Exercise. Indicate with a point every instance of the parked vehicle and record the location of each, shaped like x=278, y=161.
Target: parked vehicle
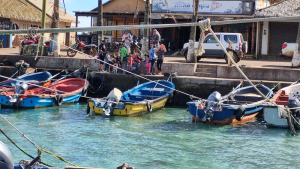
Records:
x=88, y=49
x=214, y=50
x=288, y=49
x=241, y=104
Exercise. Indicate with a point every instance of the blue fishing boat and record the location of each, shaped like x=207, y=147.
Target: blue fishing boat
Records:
x=64, y=91
x=242, y=104
x=38, y=78
x=142, y=98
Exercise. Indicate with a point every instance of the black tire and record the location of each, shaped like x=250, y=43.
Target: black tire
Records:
x=88, y=110
x=244, y=47
x=239, y=113
x=149, y=107
x=92, y=52
x=198, y=58
x=59, y=99
x=96, y=82
x=71, y=53
x=235, y=58
x=84, y=92
x=185, y=55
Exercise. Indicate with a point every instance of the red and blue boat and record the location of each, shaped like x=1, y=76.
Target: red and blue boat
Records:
x=242, y=104
x=58, y=93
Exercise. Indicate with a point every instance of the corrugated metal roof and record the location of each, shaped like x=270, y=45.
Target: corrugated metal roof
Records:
x=281, y=9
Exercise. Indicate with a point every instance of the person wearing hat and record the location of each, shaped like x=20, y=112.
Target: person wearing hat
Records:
x=156, y=38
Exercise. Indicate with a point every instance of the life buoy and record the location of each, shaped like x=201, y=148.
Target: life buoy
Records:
x=84, y=92
x=149, y=107
x=88, y=110
x=59, y=99
x=96, y=82
x=239, y=113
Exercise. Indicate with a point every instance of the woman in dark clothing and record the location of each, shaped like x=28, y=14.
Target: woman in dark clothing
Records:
x=160, y=57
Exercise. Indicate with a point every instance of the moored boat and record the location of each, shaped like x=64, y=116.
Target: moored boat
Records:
x=142, y=98
x=242, y=104
x=277, y=115
x=64, y=91
x=38, y=78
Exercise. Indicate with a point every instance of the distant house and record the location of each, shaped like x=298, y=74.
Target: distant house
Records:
x=23, y=14
x=274, y=34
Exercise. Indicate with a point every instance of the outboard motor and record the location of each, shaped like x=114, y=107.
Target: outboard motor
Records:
x=112, y=99
x=6, y=159
x=20, y=89
x=21, y=67
x=293, y=102
x=209, y=105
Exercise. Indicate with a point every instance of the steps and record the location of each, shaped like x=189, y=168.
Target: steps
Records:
x=206, y=70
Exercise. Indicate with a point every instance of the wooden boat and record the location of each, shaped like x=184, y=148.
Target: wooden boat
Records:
x=242, y=104
x=276, y=115
x=38, y=78
x=64, y=91
x=142, y=98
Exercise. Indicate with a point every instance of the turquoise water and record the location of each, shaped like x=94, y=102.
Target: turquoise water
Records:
x=164, y=139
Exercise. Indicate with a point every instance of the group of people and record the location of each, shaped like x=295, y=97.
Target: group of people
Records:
x=127, y=61
x=122, y=59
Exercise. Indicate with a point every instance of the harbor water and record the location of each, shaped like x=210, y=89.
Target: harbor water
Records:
x=163, y=139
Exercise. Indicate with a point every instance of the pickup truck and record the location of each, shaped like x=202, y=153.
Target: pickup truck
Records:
x=288, y=49
x=214, y=50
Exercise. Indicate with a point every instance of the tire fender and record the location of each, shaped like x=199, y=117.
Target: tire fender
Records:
x=149, y=106
x=88, y=110
x=84, y=92
x=239, y=113
x=59, y=99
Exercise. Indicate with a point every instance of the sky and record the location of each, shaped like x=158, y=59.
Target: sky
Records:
x=81, y=5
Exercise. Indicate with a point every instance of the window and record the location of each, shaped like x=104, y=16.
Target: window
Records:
x=106, y=22
x=211, y=39
x=230, y=38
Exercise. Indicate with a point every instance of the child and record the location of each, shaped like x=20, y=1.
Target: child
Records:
x=130, y=61
x=106, y=66
x=111, y=60
x=160, y=57
x=147, y=63
x=136, y=63
x=152, y=57
x=118, y=60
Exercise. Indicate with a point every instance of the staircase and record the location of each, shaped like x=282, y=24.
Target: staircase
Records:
x=206, y=70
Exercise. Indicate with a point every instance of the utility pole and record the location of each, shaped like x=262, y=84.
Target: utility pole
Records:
x=43, y=25
x=100, y=21
x=145, y=42
x=191, y=56
x=55, y=24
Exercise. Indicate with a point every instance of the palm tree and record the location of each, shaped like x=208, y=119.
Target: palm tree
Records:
x=296, y=56
x=191, y=56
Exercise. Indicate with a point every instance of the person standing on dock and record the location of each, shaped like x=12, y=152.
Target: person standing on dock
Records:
x=124, y=56
x=156, y=38
x=160, y=57
x=152, y=55
x=102, y=54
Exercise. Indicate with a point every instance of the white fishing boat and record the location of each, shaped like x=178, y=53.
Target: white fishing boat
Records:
x=277, y=115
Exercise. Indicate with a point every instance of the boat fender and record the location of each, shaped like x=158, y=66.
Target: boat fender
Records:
x=171, y=97
x=239, y=113
x=149, y=106
x=59, y=99
x=6, y=159
x=88, y=110
x=84, y=92
x=96, y=82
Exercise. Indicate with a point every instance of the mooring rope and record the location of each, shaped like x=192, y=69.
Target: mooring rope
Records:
x=39, y=149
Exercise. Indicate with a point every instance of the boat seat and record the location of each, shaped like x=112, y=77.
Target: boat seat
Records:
x=248, y=98
x=281, y=102
x=283, y=98
x=144, y=96
x=154, y=89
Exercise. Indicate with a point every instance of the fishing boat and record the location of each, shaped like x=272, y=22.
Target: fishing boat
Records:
x=38, y=78
x=142, y=98
x=58, y=93
x=276, y=115
x=242, y=104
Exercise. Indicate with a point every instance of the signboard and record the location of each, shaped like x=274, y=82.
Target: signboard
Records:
x=205, y=7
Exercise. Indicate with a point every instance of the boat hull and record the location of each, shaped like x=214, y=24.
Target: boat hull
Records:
x=226, y=121
x=224, y=116
x=129, y=109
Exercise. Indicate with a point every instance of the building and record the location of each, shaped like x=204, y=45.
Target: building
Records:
x=274, y=34
x=23, y=14
x=115, y=12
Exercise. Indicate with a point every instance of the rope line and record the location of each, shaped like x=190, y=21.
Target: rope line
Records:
x=39, y=149
x=126, y=27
